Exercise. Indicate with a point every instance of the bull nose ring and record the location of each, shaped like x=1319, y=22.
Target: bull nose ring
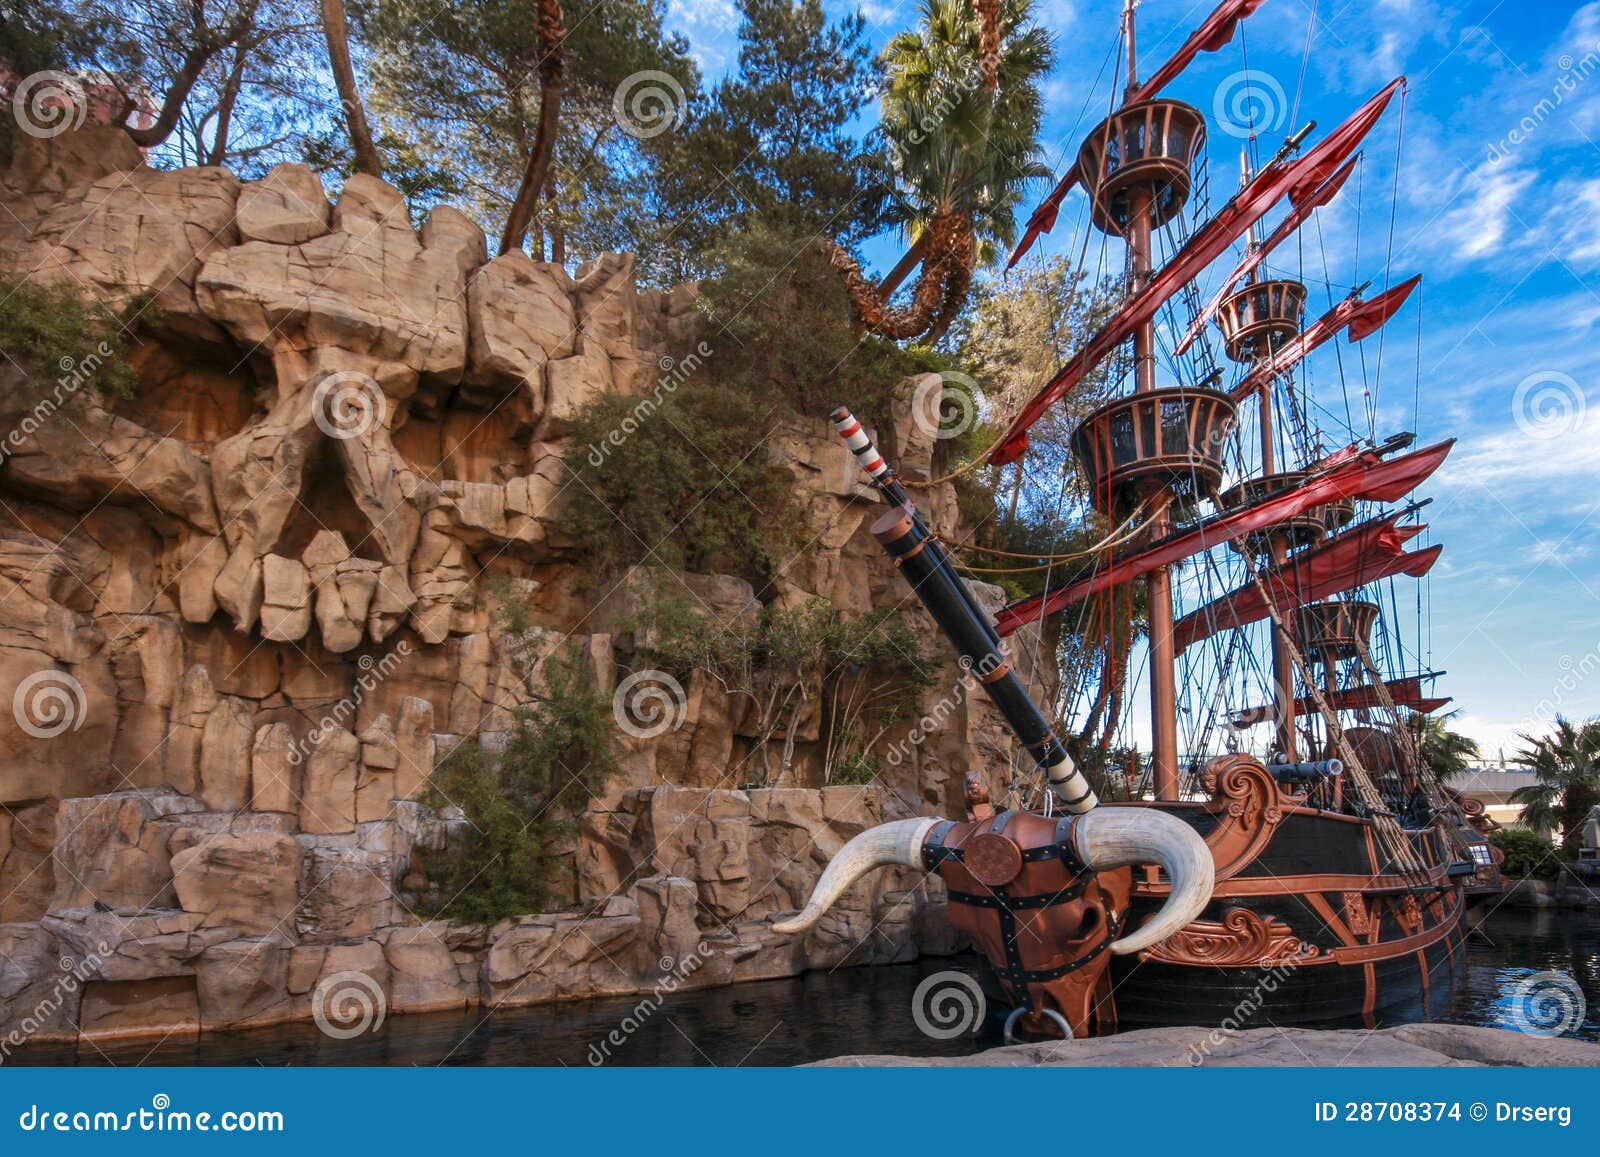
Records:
x=992, y=859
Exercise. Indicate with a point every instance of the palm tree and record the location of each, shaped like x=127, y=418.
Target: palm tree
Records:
x=962, y=152
x=1566, y=764
x=1447, y=753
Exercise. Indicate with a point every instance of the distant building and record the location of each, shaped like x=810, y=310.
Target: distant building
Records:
x=1492, y=784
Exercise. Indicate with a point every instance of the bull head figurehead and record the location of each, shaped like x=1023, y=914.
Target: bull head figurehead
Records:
x=1043, y=898
x=1098, y=841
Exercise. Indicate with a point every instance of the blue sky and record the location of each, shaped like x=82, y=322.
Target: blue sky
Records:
x=1499, y=208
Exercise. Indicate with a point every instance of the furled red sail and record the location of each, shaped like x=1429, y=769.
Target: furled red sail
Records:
x=1245, y=209
x=1362, y=474
x=1252, y=260
x=1373, y=551
x=1363, y=317
x=1212, y=35
x=1209, y=37
x=1405, y=692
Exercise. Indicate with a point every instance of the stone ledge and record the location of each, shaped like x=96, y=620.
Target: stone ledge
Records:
x=1411, y=1045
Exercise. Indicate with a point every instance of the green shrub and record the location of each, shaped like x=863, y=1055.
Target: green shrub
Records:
x=782, y=329
x=521, y=803
x=681, y=478
x=64, y=341
x=1527, y=853
x=862, y=675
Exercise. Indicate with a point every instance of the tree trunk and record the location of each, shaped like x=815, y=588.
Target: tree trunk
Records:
x=552, y=34
x=988, y=43
x=558, y=235
x=914, y=255
x=230, y=97
x=344, y=79
x=172, y=107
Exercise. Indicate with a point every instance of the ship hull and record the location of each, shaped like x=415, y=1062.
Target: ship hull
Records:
x=1311, y=919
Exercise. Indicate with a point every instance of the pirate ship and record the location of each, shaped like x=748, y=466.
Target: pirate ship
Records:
x=1335, y=862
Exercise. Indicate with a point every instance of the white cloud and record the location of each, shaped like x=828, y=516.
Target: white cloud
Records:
x=1483, y=211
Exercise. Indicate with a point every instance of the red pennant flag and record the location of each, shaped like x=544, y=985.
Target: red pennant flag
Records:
x=1215, y=33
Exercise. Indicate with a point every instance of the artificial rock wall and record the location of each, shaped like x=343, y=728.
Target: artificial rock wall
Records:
x=242, y=617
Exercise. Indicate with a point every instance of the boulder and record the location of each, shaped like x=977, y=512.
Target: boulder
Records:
x=328, y=799
x=245, y=882
x=285, y=207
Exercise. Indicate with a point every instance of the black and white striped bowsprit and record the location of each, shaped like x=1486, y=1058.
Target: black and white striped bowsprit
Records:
x=934, y=580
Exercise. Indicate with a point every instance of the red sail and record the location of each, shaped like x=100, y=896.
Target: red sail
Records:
x=1405, y=692
x=1209, y=37
x=1247, y=207
x=1366, y=554
x=1362, y=475
x=1363, y=317
x=1296, y=218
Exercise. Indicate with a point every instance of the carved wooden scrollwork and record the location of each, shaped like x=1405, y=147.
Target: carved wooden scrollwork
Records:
x=1250, y=803
x=1355, y=913
x=1239, y=938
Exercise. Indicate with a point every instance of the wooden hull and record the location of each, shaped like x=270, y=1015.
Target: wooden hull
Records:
x=1309, y=921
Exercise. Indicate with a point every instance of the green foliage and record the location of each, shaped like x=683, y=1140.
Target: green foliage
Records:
x=953, y=146
x=783, y=329
x=521, y=803
x=683, y=478
x=1527, y=853
x=456, y=94
x=64, y=340
x=772, y=142
x=1566, y=764
x=862, y=675
x=1447, y=753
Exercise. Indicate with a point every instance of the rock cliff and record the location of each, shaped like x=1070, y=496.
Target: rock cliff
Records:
x=244, y=613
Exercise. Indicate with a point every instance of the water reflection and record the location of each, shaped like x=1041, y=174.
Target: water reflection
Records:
x=785, y=1022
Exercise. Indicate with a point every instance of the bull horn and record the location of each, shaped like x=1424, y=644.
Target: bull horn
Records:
x=898, y=842
x=1114, y=837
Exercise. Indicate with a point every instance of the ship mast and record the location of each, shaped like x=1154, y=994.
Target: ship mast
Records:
x=1158, y=590
x=1283, y=698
